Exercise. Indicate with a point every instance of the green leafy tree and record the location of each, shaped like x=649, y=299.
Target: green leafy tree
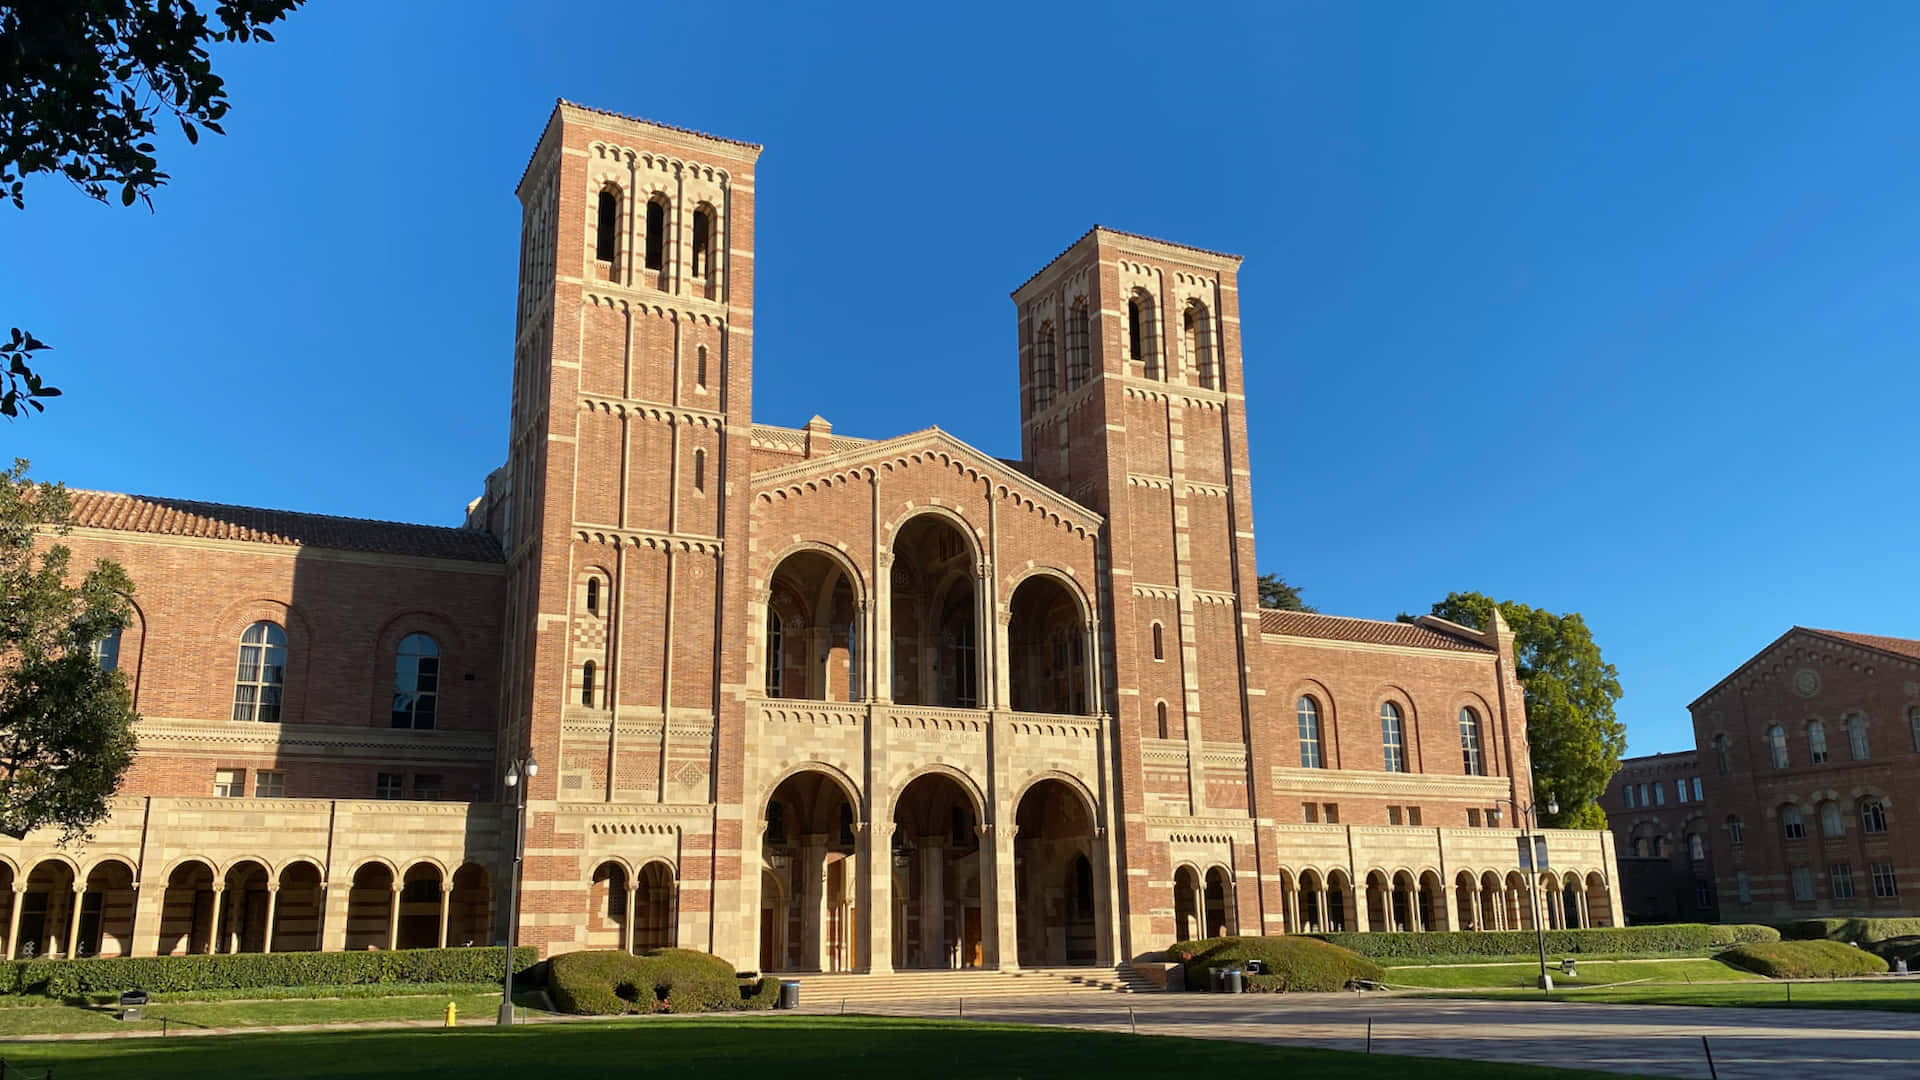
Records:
x=66, y=725
x=1570, y=690
x=84, y=85
x=1276, y=593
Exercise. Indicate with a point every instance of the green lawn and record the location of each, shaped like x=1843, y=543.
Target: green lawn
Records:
x=1553, y=958
x=1900, y=996
x=1592, y=973
x=789, y=1047
x=43, y=1016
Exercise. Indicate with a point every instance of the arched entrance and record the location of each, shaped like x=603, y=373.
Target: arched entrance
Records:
x=1433, y=903
x=470, y=907
x=607, y=897
x=1056, y=901
x=106, y=911
x=653, y=907
x=1379, y=901
x=1047, y=649
x=1466, y=906
x=1339, y=901
x=1519, y=902
x=187, y=910
x=46, y=908
x=297, y=909
x=1599, y=901
x=1186, y=904
x=935, y=615
x=370, y=908
x=1493, y=902
x=809, y=847
x=420, y=900
x=813, y=630
x=243, y=908
x=1220, y=903
x=936, y=854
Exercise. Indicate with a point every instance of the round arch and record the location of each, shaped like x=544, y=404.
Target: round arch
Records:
x=354, y=868
x=238, y=861
x=1087, y=800
x=1061, y=576
x=890, y=533
x=855, y=579
x=99, y=861
x=848, y=787
x=941, y=768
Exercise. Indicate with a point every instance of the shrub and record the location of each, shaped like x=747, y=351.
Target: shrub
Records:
x=764, y=994
x=611, y=983
x=1677, y=938
x=1899, y=948
x=1861, y=930
x=1293, y=963
x=245, y=971
x=1805, y=960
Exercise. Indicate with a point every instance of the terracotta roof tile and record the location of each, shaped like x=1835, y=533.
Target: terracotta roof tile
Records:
x=1369, y=631
x=1906, y=647
x=214, y=521
x=1119, y=232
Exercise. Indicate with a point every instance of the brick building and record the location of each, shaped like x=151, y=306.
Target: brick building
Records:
x=1807, y=751
x=818, y=701
x=1656, y=809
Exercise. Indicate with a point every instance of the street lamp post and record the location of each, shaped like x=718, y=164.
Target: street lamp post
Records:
x=514, y=768
x=1526, y=815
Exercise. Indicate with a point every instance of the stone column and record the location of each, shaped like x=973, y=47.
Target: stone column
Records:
x=1002, y=926
x=147, y=900
x=629, y=938
x=1106, y=932
x=1200, y=910
x=1320, y=907
x=446, y=896
x=874, y=853
x=215, y=931
x=273, y=906
x=1450, y=906
x=1585, y=917
x=73, y=918
x=812, y=878
x=393, y=918
x=933, y=902
x=1357, y=891
x=333, y=926
x=13, y=920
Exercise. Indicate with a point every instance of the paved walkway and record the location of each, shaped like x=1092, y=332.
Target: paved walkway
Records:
x=1648, y=1040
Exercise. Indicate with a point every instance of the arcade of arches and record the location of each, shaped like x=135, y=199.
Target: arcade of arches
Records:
x=1402, y=900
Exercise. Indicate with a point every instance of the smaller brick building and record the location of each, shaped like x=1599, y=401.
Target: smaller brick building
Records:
x=1809, y=751
x=1657, y=811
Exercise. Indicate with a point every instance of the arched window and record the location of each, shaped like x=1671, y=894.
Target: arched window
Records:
x=1857, y=737
x=1777, y=745
x=1735, y=834
x=1043, y=374
x=1308, y=714
x=699, y=470
x=586, y=683
x=776, y=658
x=1832, y=822
x=1393, y=737
x=700, y=367
x=1791, y=824
x=1696, y=847
x=1816, y=742
x=656, y=232
x=1873, y=816
x=416, y=682
x=106, y=651
x=1475, y=761
x=1723, y=753
x=1079, y=357
x=1140, y=334
x=606, y=243
x=1659, y=847
x=702, y=242
x=1197, y=329
x=1161, y=710
x=593, y=596
x=1159, y=643
x=262, y=674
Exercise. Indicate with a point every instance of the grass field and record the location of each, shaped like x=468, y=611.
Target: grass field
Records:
x=1902, y=996
x=789, y=1047
x=1553, y=958
x=44, y=1016
x=1592, y=973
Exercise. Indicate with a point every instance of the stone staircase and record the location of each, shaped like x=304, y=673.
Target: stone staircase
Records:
x=818, y=989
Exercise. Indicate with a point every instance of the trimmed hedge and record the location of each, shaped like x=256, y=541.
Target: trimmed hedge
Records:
x=613, y=983
x=1294, y=963
x=1861, y=930
x=1805, y=960
x=246, y=971
x=1675, y=938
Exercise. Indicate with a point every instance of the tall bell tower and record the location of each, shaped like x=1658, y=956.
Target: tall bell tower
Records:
x=632, y=392
x=1132, y=402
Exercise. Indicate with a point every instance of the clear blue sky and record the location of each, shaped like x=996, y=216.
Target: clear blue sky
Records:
x=1604, y=308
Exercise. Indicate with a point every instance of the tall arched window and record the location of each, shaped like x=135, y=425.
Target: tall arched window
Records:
x=776, y=654
x=1475, y=761
x=702, y=242
x=1723, y=753
x=1142, y=347
x=700, y=367
x=1816, y=742
x=1777, y=745
x=1043, y=372
x=1308, y=714
x=1196, y=328
x=1079, y=357
x=1159, y=643
x=106, y=651
x=1393, y=737
x=699, y=470
x=606, y=243
x=416, y=682
x=1857, y=737
x=586, y=683
x=1832, y=822
x=593, y=596
x=262, y=674
x=1792, y=825
x=656, y=232
x=1696, y=847
x=1160, y=710
x=1873, y=816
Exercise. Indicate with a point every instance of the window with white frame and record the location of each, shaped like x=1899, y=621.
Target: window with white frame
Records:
x=1393, y=737
x=1696, y=847
x=1777, y=746
x=1627, y=791
x=1816, y=742
x=1873, y=816
x=1645, y=799
x=1723, y=752
x=1698, y=795
x=1832, y=822
x=1680, y=790
x=1840, y=880
x=416, y=682
x=1307, y=713
x=1659, y=794
x=1470, y=752
x=389, y=785
x=1884, y=886
x=1857, y=737
x=262, y=673
x=106, y=651
x=229, y=783
x=1802, y=884
x=269, y=784
x=1792, y=826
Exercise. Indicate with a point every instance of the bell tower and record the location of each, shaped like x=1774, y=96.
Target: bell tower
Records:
x=632, y=392
x=1132, y=402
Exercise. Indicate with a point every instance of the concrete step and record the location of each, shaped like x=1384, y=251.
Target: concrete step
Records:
x=818, y=988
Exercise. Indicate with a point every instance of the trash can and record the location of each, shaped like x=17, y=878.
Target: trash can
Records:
x=1217, y=980
x=1236, y=980
x=133, y=1004
x=790, y=993
x=1899, y=967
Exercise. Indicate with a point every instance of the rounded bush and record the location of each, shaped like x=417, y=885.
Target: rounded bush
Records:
x=1293, y=963
x=1862, y=930
x=1676, y=938
x=1805, y=960
x=611, y=983
x=1743, y=934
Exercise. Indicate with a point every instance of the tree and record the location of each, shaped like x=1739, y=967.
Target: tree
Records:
x=83, y=85
x=66, y=722
x=1570, y=690
x=1276, y=593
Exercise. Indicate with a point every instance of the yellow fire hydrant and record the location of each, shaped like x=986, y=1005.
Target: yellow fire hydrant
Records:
x=453, y=1013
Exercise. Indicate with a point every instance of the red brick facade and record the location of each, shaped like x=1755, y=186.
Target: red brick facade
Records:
x=828, y=702
x=1656, y=809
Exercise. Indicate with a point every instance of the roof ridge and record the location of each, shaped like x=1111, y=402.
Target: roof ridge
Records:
x=655, y=123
